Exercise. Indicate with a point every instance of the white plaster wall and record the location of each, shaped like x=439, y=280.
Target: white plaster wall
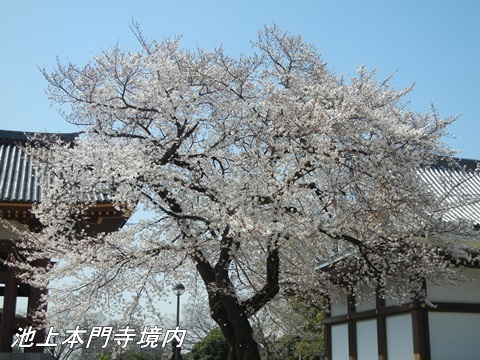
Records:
x=454, y=336
x=465, y=290
x=393, y=288
x=340, y=342
x=338, y=305
x=400, y=337
x=365, y=300
x=367, y=345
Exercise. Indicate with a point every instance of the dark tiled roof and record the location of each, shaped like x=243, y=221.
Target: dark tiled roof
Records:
x=18, y=183
x=21, y=137
x=457, y=183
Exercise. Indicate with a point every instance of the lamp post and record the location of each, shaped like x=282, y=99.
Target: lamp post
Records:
x=178, y=290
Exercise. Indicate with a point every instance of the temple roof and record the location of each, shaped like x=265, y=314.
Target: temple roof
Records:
x=19, y=186
x=456, y=182
x=16, y=137
x=18, y=180
x=18, y=183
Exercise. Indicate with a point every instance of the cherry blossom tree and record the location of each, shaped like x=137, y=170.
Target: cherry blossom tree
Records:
x=254, y=171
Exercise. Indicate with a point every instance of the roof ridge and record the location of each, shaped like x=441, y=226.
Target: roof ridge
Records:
x=453, y=162
x=13, y=136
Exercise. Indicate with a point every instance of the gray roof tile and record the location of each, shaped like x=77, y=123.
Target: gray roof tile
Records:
x=18, y=183
x=456, y=182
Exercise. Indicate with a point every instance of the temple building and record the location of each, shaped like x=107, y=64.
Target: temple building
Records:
x=19, y=191
x=379, y=328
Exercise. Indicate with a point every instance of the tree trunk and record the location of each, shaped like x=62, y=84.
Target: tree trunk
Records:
x=233, y=321
x=227, y=310
x=243, y=346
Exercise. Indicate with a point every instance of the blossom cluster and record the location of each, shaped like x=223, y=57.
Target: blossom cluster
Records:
x=236, y=165
x=149, y=337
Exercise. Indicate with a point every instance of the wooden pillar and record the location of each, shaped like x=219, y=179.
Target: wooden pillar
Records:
x=35, y=303
x=381, y=329
x=352, y=329
x=9, y=309
x=327, y=335
x=420, y=331
x=421, y=336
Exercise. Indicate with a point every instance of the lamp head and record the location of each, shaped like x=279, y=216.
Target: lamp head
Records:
x=178, y=289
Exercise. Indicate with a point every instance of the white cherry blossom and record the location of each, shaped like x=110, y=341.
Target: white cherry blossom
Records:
x=255, y=170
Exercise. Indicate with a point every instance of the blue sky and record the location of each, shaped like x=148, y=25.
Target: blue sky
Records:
x=432, y=43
